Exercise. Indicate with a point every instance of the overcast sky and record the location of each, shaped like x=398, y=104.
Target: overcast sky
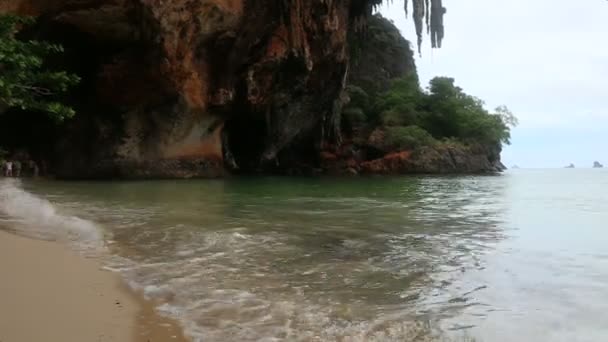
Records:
x=547, y=60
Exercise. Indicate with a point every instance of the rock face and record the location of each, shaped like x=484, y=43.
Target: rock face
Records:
x=379, y=54
x=352, y=159
x=181, y=88
x=188, y=88
x=384, y=55
x=436, y=160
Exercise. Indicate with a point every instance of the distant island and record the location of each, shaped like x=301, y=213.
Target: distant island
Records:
x=571, y=166
x=597, y=165
x=515, y=167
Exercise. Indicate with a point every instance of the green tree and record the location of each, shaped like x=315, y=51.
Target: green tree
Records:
x=451, y=112
x=408, y=137
x=444, y=111
x=399, y=106
x=454, y=114
x=355, y=112
x=24, y=81
x=506, y=116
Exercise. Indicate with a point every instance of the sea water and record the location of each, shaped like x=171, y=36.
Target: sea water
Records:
x=521, y=256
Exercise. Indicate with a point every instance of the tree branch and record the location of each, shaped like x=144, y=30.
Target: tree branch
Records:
x=37, y=90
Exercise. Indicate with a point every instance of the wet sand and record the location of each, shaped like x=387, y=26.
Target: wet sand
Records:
x=49, y=293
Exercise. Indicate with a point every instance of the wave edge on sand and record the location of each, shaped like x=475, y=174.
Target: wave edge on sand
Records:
x=50, y=284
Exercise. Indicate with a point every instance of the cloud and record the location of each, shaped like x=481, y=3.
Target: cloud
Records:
x=545, y=59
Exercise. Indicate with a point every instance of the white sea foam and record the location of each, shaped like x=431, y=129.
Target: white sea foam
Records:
x=230, y=285
x=28, y=214
x=235, y=284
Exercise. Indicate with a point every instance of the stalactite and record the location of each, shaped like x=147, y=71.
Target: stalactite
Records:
x=437, y=28
x=424, y=12
x=431, y=12
x=428, y=17
x=418, y=16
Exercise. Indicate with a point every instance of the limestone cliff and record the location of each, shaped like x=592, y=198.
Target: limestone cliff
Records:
x=182, y=88
x=379, y=55
x=198, y=88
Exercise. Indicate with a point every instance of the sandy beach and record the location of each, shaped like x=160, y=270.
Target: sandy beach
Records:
x=49, y=293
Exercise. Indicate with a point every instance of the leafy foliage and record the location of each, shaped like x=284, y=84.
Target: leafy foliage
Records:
x=452, y=113
x=355, y=116
x=507, y=116
x=24, y=81
x=358, y=98
x=355, y=112
x=413, y=117
x=408, y=137
x=399, y=106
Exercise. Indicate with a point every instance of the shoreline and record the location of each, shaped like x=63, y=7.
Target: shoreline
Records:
x=50, y=293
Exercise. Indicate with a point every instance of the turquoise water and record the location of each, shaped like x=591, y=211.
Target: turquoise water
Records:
x=517, y=257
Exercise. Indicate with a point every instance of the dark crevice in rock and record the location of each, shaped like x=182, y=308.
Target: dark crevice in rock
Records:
x=189, y=88
x=245, y=143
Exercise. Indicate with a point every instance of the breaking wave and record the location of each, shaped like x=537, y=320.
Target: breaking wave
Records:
x=27, y=214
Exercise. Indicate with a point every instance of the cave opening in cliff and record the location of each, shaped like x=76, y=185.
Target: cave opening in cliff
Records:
x=244, y=140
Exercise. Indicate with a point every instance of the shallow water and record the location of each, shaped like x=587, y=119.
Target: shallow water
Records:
x=516, y=257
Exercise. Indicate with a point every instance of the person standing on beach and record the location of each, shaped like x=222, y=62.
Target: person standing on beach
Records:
x=8, y=169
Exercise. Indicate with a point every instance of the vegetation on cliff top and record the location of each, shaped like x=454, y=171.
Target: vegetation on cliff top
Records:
x=25, y=83
x=445, y=111
x=385, y=94
x=442, y=111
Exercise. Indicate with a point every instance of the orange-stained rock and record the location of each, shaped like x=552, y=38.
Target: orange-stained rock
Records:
x=278, y=46
x=128, y=81
x=392, y=163
x=168, y=80
x=328, y=156
x=403, y=156
x=30, y=7
x=352, y=163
